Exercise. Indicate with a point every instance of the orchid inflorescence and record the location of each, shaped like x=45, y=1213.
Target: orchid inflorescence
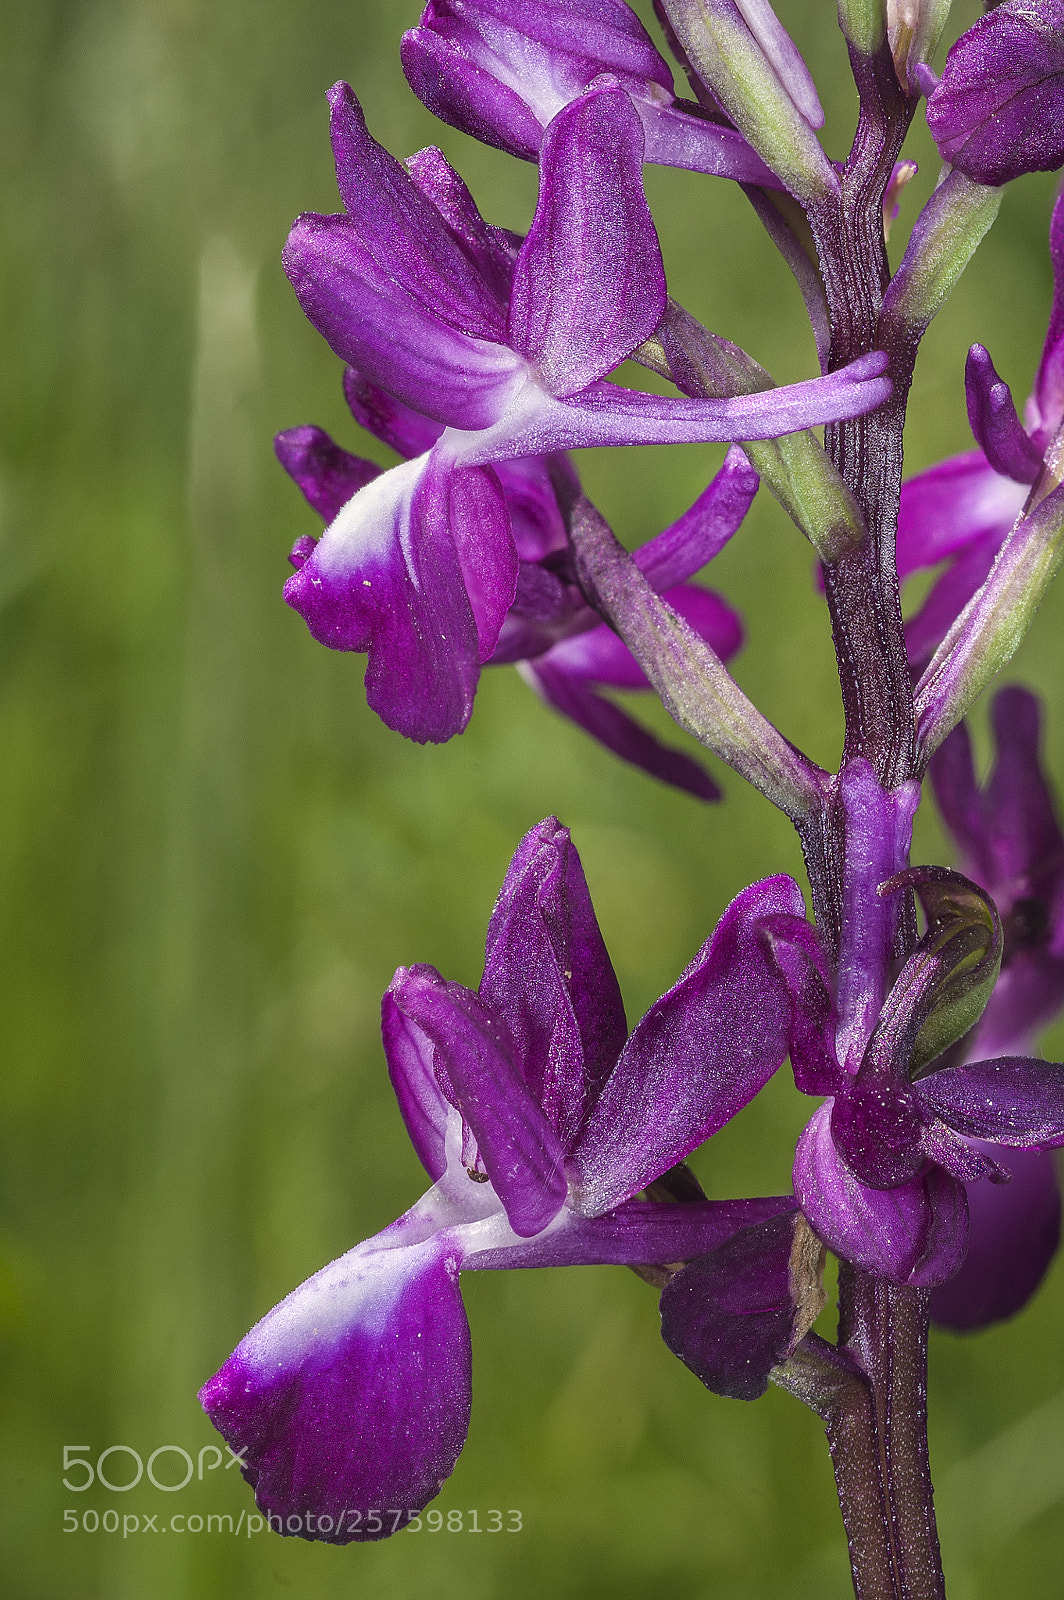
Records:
x=551, y=1135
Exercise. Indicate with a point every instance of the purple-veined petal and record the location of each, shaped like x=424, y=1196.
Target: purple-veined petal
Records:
x=548, y=974
x=1047, y=402
x=637, y=1233
x=459, y=90
x=425, y=1108
x=962, y=1158
x=1014, y=1234
x=879, y=826
x=999, y=108
x=1030, y=991
x=692, y=541
x=480, y=527
x=374, y=323
x=799, y=956
x=398, y=425
x=352, y=1395
x=730, y=1315
x=915, y=1233
x=696, y=1058
x=615, y=729
x=327, y=475
x=1011, y=1101
x=387, y=577
x=953, y=505
x=473, y=1057
x=589, y=285
x=492, y=250
x=994, y=422
x=405, y=234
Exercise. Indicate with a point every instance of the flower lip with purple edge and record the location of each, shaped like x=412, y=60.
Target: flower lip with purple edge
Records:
x=508, y=348
x=562, y=648
x=962, y=509
x=540, y=1122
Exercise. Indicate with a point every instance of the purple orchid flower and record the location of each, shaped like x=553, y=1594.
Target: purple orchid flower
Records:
x=881, y=1169
x=502, y=72
x=506, y=347
x=559, y=644
x=539, y=1122
x=962, y=509
x=1011, y=844
x=999, y=108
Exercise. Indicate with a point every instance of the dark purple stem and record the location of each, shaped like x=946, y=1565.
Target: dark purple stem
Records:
x=876, y=1421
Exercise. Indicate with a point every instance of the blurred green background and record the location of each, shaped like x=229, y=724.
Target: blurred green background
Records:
x=212, y=857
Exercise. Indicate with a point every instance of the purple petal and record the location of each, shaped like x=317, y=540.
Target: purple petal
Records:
x=547, y=973
x=448, y=78
x=952, y=506
x=480, y=527
x=948, y=597
x=999, y=108
x=601, y=657
x=401, y=229
x=1012, y=1101
x=376, y=324
x=729, y=1315
x=352, y=1395
x=388, y=577
x=878, y=1133
x=676, y=137
x=1047, y=402
x=957, y=795
x=879, y=825
x=589, y=285
x=616, y=730
x=327, y=475
x=994, y=422
x=701, y=533
x=1030, y=991
x=411, y=1066
x=502, y=75
x=637, y=1233
x=537, y=522
x=799, y=955
x=913, y=1234
x=697, y=1057
x=492, y=249
x=380, y=413
x=1023, y=831
x=476, y=1063
x=1015, y=1231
